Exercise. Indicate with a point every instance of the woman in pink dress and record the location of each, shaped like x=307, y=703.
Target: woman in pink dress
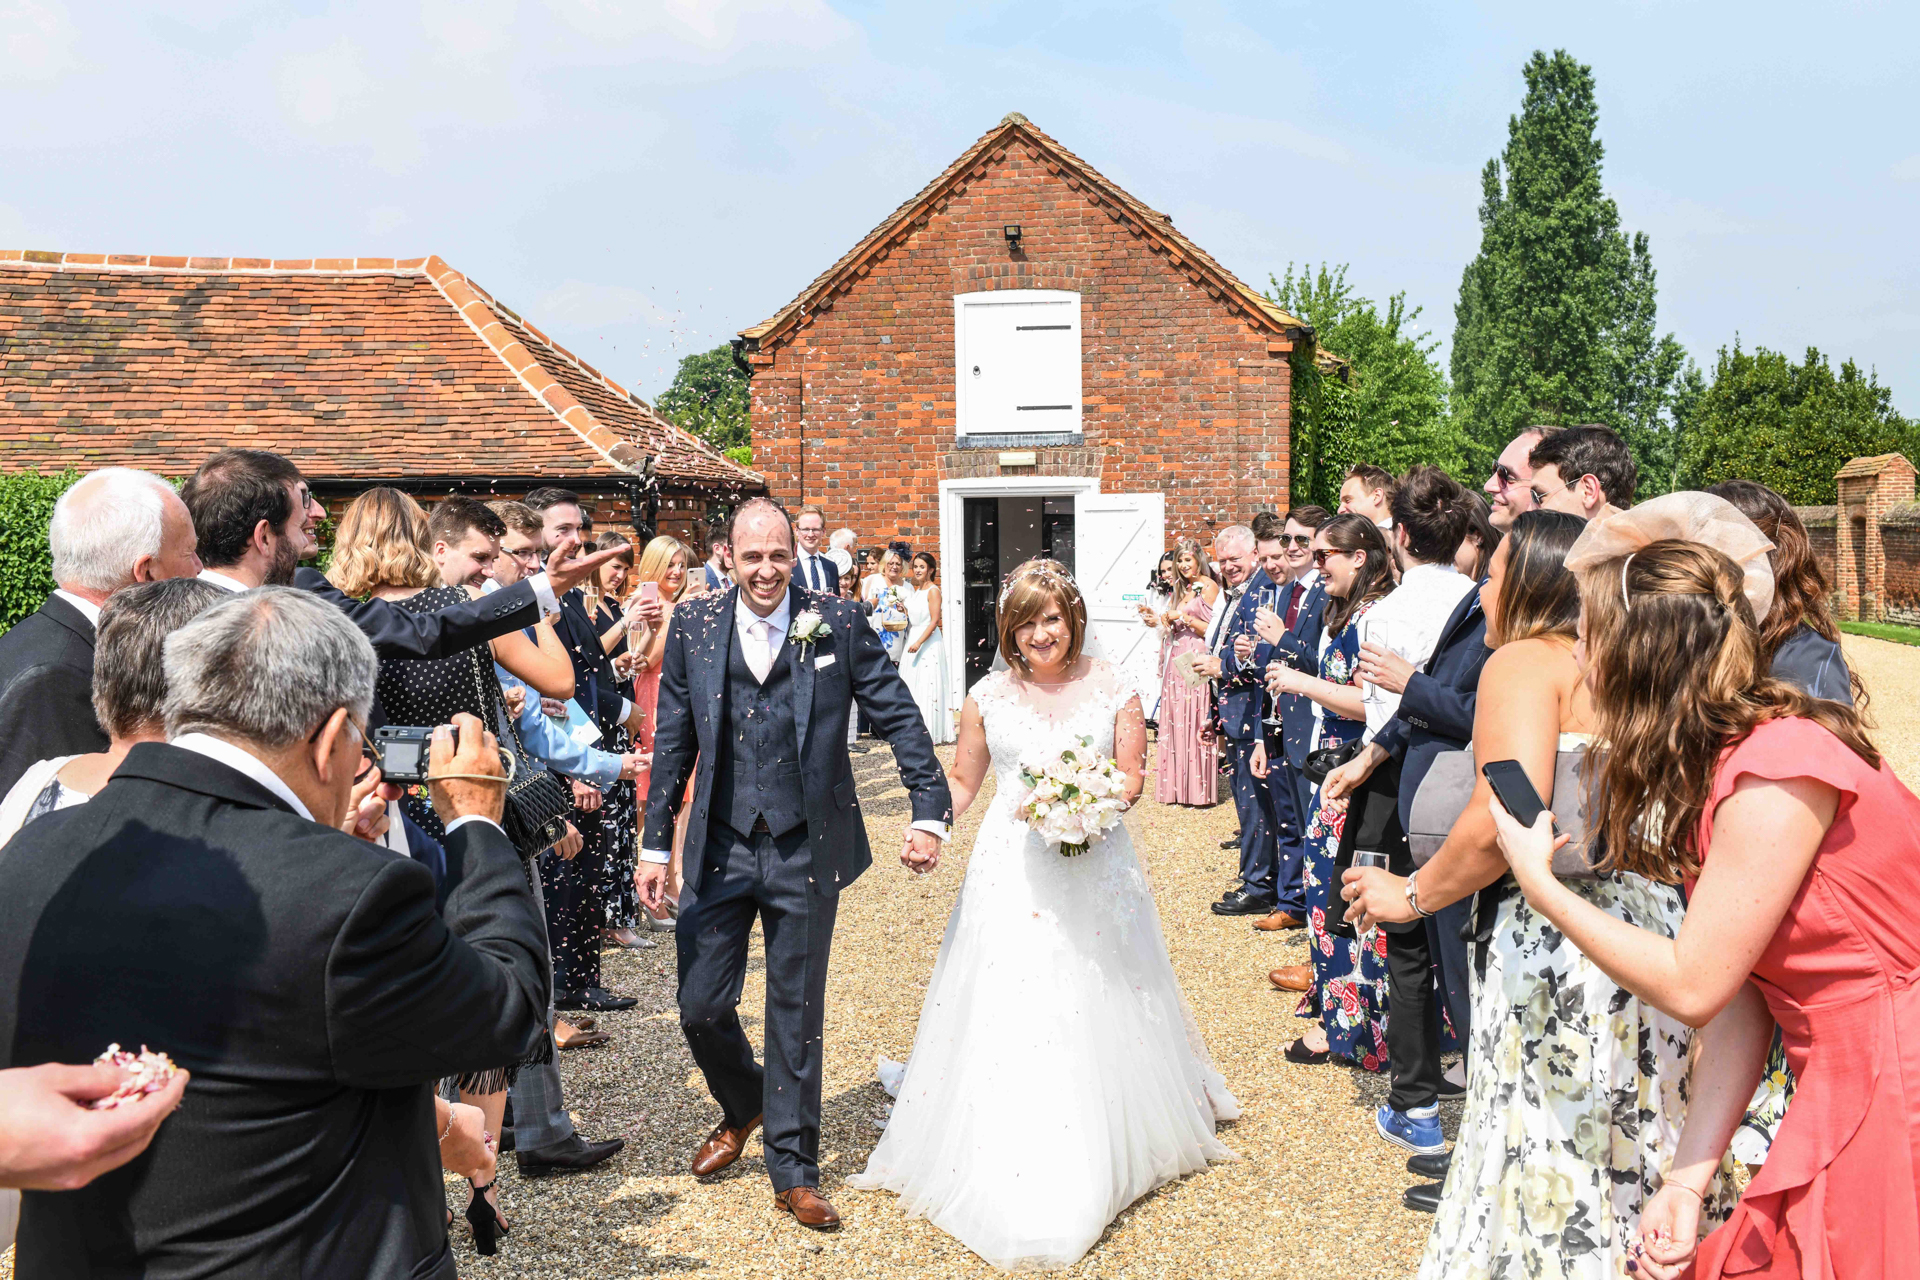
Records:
x=664, y=564
x=1801, y=851
x=1189, y=769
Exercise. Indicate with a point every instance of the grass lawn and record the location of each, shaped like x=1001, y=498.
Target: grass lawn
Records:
x=1883, y=631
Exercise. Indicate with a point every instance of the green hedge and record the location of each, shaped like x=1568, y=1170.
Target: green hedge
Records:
x=26, y=566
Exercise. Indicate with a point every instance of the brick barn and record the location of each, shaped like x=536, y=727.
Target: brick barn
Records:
x=363, y=371
x=1025, y=358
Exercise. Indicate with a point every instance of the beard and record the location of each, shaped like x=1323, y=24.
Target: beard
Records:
x=285, y=560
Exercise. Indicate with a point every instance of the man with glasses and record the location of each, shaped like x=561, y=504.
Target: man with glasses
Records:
x=1508, y=494
x=1584, y=471
x=307, y=980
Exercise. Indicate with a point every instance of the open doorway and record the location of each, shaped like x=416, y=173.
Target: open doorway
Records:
x=1003, y=532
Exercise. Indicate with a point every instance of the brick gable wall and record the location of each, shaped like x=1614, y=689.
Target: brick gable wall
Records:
x=856, y=411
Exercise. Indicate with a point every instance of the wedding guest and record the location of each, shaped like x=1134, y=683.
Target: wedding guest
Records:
x=50, y=1140
x=115, y=526
x=1585, y=471
x=1476, y=548
x=840, y=549
x=1289, y=820
x=718, y=569
x=1158, y=597
x=1368, y=491
x=924, y=664
x=665, y=564
x=1558, y=1047
x=1798, y=846
x=619, y=804
x=1235, y=663
x=129, y=694
x=886, y=592
x=1508, y=489
x=1188, y=770
x=1346, y=994
x=1799, y=642
x=815, y=568
x=316, y=1015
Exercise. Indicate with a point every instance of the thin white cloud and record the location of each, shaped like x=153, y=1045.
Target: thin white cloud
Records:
x=37, y=40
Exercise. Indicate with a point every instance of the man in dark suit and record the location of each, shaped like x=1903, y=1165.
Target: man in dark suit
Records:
x=757, y=684
x=207, y=904
x=255, y=517
x=1242, y=658
x=115, y=527
x=814, y=569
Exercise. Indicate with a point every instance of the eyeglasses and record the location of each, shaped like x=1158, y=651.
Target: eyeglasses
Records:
x=369, y=760
x=1504, y=476
x=1296, y=539
x=1320, y=556
x=1540, y=497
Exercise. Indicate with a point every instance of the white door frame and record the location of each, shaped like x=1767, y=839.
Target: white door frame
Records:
x=953, y=530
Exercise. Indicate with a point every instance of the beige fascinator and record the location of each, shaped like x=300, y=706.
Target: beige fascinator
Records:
x=1705, y=518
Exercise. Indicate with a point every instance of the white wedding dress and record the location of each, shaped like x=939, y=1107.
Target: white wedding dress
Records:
x=1057, y=1075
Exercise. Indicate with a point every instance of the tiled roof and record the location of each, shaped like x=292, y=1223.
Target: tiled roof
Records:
x=357, y=368
x=1017, y=130
x=1871, y=466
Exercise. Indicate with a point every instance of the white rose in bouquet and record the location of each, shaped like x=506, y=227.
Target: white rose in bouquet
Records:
x=1072, y=796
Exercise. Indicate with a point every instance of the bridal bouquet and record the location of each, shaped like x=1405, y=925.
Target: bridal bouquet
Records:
x=1073, y=797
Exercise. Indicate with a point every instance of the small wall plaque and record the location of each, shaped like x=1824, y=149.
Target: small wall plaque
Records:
x=1020, y=458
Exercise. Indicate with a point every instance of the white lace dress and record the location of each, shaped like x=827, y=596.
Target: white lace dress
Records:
x=1057, y=1075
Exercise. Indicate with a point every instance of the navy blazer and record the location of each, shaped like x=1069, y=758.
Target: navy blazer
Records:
x=403, y=633
x=1436, y=711
x=828, y=569
x=46, y=690
x=596, y=687
x=1300, y=649
x=845, y=665
x=1242, y=686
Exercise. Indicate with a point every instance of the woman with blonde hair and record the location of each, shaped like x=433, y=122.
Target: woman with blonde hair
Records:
x=664, y=566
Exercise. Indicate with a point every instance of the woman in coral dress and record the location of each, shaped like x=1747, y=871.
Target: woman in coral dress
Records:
x=1189, y=767
x=1802, y=850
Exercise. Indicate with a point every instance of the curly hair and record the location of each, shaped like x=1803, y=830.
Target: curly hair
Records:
x=381, y=542
x=1674, y=662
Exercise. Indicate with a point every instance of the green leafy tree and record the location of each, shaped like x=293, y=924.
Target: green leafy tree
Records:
x=1388, y=403
x=1790, y=426
x=709, y=399
x=1556, y=317
x=26, y=565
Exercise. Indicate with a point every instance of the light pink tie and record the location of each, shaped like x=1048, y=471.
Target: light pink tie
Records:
x=760, y=653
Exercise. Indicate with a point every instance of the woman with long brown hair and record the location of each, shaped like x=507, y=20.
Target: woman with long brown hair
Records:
x=1346, y=993
x=1188, y=771
x=1802, y=850
x=1575, y=1089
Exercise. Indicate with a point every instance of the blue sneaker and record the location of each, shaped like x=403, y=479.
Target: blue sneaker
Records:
x=1418, y=1134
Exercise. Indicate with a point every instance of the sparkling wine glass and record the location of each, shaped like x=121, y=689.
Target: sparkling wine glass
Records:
x=1365, y=858
x=1378, y=634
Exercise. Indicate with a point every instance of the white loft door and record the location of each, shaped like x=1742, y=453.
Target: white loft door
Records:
x=1118, y=538
x=1017, y=361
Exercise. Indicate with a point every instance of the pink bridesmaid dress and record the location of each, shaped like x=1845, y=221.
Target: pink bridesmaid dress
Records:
x=1189, y=769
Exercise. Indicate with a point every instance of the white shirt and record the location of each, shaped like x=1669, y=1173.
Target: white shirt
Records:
x=222, y=581
x=811, y=572
x=760, y=657
x=88, y=609
x=1223, y=607
x=1414, y=612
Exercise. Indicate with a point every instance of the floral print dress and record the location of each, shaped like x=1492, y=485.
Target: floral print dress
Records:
x=1576, y=1094
x=1349, y=991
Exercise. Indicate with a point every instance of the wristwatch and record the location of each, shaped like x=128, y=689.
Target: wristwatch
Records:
x=1413, y=896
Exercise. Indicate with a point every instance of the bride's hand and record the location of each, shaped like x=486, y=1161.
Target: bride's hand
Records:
x=920, y=853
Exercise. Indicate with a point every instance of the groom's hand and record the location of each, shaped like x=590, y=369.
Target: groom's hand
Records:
x=650, y=882
x=921, y=853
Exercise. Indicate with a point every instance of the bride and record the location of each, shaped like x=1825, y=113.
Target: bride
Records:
x=1057, y=1075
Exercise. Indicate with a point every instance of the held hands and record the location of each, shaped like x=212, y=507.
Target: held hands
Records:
x=585, y=798
x=50, y=1141
x=920, y=853
x=1669, y=1232
x=1384, y=668
x=465, y=775
x=1528, y=850
x=468, y=1149
x=1374, y=897
x=1271, y=626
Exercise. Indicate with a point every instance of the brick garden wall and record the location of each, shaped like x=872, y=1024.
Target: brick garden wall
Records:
x=857, y=412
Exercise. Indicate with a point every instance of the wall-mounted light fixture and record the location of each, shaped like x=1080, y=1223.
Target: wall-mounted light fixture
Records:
x=1013, y=236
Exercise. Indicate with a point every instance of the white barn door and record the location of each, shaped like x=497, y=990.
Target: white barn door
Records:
x=1118, y=538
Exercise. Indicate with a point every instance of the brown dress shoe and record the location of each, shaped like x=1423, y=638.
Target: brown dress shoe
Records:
x=808, y=1207
x=1274, y=921
x=722, y=1147
x=1295, y=977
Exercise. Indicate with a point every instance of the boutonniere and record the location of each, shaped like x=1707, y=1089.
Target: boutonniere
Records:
x=809, y=628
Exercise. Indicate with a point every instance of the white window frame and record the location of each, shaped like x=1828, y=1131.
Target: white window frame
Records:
x=963, y=411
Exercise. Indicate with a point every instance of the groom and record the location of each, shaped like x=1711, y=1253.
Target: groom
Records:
x=756, y=684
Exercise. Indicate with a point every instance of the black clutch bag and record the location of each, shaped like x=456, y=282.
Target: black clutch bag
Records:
x=1319, y=764
x=537, y=803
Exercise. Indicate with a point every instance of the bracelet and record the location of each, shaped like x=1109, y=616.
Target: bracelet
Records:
x=1684, y=1187
x=449, y=1132
x=1413, y=896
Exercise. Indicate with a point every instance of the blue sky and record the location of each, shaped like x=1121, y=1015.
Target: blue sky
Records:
x=644, y=179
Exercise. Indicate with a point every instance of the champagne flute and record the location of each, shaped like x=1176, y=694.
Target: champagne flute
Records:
x=1365, y=858
x=1377, y=633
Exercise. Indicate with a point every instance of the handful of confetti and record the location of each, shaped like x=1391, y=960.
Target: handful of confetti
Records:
x=142, y=1073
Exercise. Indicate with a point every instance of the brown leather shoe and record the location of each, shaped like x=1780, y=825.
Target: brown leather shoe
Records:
x=1295, y=977
x=722, y=1147
x=1274, y=921
x=808, y=1207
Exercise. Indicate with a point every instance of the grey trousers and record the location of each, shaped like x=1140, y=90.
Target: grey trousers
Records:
x=741, y=877
x=539, y=1110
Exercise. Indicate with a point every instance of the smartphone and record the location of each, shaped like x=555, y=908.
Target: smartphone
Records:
x=1515, y=789
x=649, y=591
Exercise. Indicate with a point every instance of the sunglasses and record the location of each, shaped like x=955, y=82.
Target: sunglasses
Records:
x=1504, y=476
x=1320, y=556
x=1296, y=539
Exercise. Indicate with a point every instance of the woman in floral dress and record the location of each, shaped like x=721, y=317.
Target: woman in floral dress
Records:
x=1348, y=995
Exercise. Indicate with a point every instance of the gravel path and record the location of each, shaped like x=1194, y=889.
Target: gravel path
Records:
x=1316, y=1192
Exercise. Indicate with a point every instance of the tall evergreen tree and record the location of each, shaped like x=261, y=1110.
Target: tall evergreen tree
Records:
x=1556, y=317
x=709, y=399
x=1387, y=401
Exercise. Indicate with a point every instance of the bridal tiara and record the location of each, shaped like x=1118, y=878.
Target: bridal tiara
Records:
x=1050, y=572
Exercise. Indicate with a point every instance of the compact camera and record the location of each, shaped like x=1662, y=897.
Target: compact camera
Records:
x=402, y=752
